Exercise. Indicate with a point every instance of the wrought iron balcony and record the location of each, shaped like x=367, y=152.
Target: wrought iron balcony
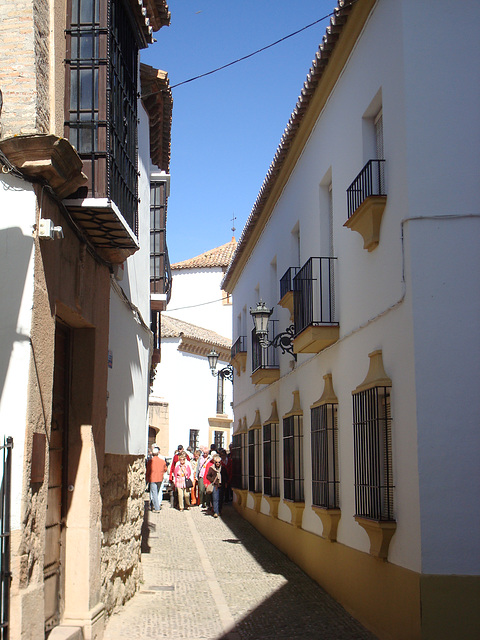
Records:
x=238, y=354
x=366, y=200
x=286, y=281
x=265, y=367
x=286, y=289
x=316, y=322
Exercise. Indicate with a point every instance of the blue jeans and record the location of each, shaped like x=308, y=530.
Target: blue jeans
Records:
x=160, y=491
x=154, y=488
x=217, y=497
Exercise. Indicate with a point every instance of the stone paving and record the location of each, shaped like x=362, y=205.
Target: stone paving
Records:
x=219, y=579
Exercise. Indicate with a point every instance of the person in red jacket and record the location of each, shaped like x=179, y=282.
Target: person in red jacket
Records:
x=175, y=460
x=156, y=467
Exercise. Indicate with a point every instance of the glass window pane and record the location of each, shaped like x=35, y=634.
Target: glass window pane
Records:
x=86, y=93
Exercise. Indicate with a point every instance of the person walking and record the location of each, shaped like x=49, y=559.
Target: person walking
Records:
x=217, y=477
x=156, y=468
x=194, y=499
x=200, y=474
x=182, y=477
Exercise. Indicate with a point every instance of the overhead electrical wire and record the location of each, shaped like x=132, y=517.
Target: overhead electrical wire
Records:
x=200, y=304
x=250, y=55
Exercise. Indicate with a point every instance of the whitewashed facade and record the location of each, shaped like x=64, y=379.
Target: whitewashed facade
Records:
x=410, y=302
x=130, y=338
x=198, y=318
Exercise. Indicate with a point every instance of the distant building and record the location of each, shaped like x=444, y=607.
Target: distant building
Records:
x=359, y=458
x=183, y=408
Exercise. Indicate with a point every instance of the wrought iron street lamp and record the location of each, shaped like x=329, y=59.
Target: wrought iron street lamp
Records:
x=221, y=375
x=261, y=314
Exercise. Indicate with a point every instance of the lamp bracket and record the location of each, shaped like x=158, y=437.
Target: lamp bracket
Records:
x=284, y=340
x=226, y=373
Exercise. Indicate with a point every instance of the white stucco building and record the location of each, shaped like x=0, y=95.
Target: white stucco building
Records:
x=360, y=458
x=197, y=320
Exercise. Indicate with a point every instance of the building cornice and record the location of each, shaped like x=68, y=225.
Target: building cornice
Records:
x=158, y=102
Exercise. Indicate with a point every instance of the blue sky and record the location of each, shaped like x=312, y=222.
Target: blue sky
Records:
x=227, y=126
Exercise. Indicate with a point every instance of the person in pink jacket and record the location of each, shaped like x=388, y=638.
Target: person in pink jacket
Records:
x=182, y=472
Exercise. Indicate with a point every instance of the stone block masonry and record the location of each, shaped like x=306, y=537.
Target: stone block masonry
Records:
x=24, y=64
x=123, y=495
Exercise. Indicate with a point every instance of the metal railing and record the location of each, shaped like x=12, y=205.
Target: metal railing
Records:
x=239, y=346
x=5, y=498
x=369, y=182
x=324, y=437
x=372, y=442
x=314, y=294
x=264, y=358
x=286, y=281
x=293, y=479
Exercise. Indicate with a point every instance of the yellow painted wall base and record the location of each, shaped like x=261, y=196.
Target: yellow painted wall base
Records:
x=450, y=607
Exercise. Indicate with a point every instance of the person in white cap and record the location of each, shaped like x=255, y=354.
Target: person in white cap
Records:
x=156, y=468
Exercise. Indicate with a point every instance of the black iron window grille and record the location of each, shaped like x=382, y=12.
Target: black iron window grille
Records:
x=244, y=461
x=101, y=100
x=293, y=481
x=194, y=438
x=236, y=456
x=271, y=475
x=254, y=474
x=156, y=327
x=369, y=182
x=314, y=294
x=373, y=454
x=239, y=346
x=160, y=271
x=264, y=358
x=5, y=541
x=286, y=281
x=325, y=483
x=219, y=440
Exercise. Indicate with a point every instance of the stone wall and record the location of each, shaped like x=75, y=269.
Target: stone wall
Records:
x=24, y=66
x=123, y=495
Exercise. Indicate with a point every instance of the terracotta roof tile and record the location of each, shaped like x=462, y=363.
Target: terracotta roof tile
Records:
x=219, y=257
x=174, y=328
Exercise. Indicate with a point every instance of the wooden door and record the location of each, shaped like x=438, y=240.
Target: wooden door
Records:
x=56, y=482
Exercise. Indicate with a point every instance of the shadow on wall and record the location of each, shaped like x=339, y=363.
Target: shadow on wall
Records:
x=148, y=529
x=128, y=400
x=15, y=255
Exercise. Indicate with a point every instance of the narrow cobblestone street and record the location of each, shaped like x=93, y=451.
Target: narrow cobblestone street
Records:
x=206, y=579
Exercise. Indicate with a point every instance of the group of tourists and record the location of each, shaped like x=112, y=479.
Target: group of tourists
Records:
x=198, y=478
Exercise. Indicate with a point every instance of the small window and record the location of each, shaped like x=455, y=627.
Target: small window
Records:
x=324, y=456
x=271, y=479
x=236, y=456
x=254, y=474
x=373, y=454
x=293, y=458
x=219, y=440
x=194, y=438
